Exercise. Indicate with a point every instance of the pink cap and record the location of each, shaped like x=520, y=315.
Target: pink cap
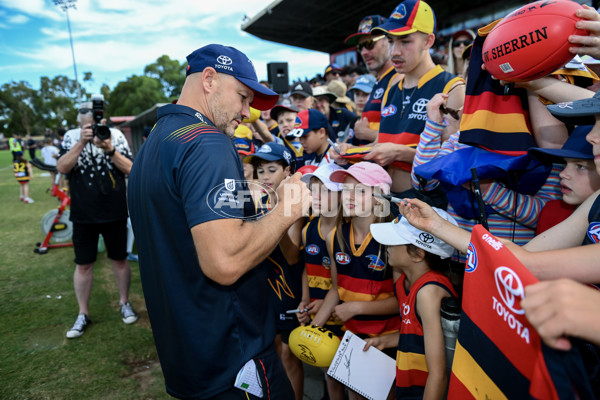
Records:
x=367, y=173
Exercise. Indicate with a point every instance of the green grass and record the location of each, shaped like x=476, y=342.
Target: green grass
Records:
x=37, y=306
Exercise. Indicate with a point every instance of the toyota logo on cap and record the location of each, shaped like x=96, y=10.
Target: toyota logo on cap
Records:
x=510, y=288
x=426, y=237
x=224, y=60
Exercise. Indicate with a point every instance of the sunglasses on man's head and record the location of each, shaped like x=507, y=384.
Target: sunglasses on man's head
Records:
x=84, y=110
x=368, y=44
x=457, y=43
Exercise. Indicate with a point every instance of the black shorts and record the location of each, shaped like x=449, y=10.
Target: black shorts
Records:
x=85, y=241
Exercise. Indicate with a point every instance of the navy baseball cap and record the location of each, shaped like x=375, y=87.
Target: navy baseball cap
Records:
x=408, y=17
x=575, y=147
x=311, y=119
x=231, y=61
x=271, y=152
x=579, y=112
x=364, y=28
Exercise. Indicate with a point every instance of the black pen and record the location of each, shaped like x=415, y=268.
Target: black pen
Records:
x=390, y=198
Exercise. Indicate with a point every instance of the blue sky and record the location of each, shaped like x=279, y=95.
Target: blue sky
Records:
x=115, y=39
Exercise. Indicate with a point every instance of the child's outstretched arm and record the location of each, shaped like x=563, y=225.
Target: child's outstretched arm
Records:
x=420, y=215
x=429, y=301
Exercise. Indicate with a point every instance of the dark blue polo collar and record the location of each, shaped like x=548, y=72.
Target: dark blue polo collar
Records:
x=180, y=109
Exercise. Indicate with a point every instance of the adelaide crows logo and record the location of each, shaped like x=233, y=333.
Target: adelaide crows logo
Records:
x=375, y=263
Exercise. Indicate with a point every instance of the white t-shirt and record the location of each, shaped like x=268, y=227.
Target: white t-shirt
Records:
x=49, y=154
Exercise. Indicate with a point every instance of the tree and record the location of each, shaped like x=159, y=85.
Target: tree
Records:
x=56, y=101
x=170, y=73
x=17, y=114
x=135, y=95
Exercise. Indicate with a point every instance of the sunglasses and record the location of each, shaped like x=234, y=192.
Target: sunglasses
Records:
x=84, y=110
x=457, y=43
x=450, y=111
x=368, y=44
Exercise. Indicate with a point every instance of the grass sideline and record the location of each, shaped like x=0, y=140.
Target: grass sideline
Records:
x=37, y=306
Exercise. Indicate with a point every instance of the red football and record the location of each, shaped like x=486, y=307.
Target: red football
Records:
x=532, y=42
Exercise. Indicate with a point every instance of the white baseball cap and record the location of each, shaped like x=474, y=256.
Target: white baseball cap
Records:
x=400, y=232
x=322, y=173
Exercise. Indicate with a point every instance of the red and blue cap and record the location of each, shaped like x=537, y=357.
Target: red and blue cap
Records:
x=408, y=17
x=231, y=61
x=364, y=28
x=333, y=68
x=309, y=120
x=243, y=146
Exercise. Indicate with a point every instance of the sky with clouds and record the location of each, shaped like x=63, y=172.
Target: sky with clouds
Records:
x=115, y=39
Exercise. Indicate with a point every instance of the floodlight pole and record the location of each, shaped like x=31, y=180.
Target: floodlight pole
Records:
x=65, y=5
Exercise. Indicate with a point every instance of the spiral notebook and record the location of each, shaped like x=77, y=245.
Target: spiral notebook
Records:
x=370, y=373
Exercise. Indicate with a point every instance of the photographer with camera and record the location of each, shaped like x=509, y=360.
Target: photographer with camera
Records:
x=96, y=159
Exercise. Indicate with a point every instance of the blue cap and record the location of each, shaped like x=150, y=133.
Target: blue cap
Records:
x=364, y=83
x=364, y=28
x=231, y=61
x=578, y=112
x=333, y=68
x=575, y=147
x=271, y=152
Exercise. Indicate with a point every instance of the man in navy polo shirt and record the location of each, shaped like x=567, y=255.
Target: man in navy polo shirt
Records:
x=208, y=304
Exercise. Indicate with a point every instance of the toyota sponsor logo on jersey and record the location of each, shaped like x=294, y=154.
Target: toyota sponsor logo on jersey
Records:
x=389, y=111
x=313, y=249
x=378, y=93
x=471, y=265
x=511, y=291
x=342, y=258
x=229, y=198
x=419, y=109
x=593, y=232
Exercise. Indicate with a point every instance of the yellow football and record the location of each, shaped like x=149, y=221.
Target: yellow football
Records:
x=314, y=345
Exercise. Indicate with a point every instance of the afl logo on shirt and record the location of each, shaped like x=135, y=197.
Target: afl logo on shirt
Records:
x=342, y=258
x=594, y=232
x=313, y=249
x=388, y=111
x=378, y=93
x=471, y=259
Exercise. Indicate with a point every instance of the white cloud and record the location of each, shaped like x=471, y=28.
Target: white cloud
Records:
x=18, y=19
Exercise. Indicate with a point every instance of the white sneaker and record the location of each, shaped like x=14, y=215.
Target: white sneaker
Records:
x=79, y=326
x=28, y=200
x=129, y=316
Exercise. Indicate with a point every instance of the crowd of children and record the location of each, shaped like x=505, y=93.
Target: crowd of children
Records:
x=359, y=262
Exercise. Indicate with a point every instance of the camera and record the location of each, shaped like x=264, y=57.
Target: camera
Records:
x=101, y=131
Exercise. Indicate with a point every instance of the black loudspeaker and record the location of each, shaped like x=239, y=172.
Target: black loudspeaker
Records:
x=277, y=74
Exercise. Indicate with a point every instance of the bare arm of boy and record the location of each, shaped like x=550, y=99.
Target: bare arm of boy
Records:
x=303, y=317
x=290, y=242
x=548, y=131
x=387, y=341
x=562, y=308
x=420, y=215
x=568, y=233
x=262, y=131
x=577, y=263
x=350, y=309
x=429, y=300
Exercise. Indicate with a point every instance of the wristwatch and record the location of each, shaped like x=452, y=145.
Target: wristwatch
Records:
x=111, y=153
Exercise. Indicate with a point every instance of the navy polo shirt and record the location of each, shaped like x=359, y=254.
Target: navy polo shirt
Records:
x=188, y=172
x=339, y=119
